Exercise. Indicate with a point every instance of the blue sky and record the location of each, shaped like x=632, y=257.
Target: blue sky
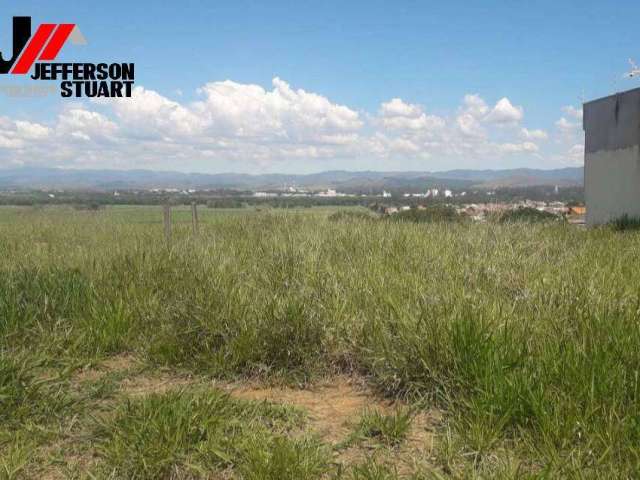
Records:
x=542, y=58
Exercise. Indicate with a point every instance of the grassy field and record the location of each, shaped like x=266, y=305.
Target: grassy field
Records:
x=283, y=345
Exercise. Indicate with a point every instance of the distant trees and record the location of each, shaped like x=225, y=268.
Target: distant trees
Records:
x=430, y=214
x=526, y=214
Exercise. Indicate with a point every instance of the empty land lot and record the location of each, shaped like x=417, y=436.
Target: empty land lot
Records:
x=289, y=346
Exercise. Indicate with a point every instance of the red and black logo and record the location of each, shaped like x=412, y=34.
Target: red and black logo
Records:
x=78, y=79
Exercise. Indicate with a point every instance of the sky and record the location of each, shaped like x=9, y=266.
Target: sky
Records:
x=302, y=86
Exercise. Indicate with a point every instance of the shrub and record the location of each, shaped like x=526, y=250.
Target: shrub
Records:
x=373, y=471
x=284, y=459
x=161, y=434
x=390, y=429
x=626, y=222
x=526, y=215
x=25, y=398
x=347, y=216
x=432, y=214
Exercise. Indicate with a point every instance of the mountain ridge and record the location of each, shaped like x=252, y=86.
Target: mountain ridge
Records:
x=39, y=178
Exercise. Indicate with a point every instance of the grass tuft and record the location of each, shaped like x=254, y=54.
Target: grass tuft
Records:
x=390, y=429
x=161, y=434
x=525, y=334
x=626, y=222
x=284, y=459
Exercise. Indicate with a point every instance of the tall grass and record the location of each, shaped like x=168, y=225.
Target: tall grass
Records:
x=527, y=335
x=185, y=433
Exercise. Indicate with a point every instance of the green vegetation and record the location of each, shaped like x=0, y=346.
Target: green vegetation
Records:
x=184, y=432
x=25, y=398
x=373, y=471
x=390, y=429
x=284, y=459
x=524, y=336
x=527, y=215
x=626, y=222
x=351, y=215
x=431, y=214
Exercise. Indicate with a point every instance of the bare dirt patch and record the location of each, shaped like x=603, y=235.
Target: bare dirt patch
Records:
x=160, y=382
x=118, y=363
x=332, y=406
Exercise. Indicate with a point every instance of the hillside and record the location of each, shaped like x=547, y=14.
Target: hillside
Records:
x=51, y=178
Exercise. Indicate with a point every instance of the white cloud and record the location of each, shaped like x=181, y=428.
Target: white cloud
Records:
x=528, y=147
x=505, y=113
x=396, y=107
x=565, y=125
x=84, y=124
x=240, y=110
x=398, y=115
x=469, y=125
x=31, y=131
x=470, y=116
x=533, y=134
x=149, y=113
x=6, y=142
x=475, y=106
x=569, y=137
x=575, y=154
x=19, y=133
x=573, y=112
x=247, y=127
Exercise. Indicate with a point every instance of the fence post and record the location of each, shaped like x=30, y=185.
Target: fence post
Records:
x=194, y=218
x=167, y=224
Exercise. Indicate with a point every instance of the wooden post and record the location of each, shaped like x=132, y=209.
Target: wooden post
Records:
x=167, y=224
x=194, y=218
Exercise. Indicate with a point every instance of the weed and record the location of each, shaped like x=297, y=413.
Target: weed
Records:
x=284, y=459
x=625, y=222
x=390, y=429
x=525, y=335
x=526, y=215
x=155, y=436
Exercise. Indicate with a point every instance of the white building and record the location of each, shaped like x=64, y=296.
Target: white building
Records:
x=328, y=193
x=612, y=157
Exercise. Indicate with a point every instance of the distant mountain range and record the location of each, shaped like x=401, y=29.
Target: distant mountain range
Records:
x=36, y=178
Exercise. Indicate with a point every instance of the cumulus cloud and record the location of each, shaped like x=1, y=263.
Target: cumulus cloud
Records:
x=529, y=147
x=569, y=133
x=476, y=130
x=241, y=110
x=505, y=113
x=573, y=112
x=569, y=137
x=254, y=127
x=31, y=131
x=570, y=123
x=566, y=126
x=475, y=106
x=469, y=125
x=149, y=113
x=398, y=115
x=471, y=115
x=572, y=155
x=577, y=150
x=533, y=134
x=16, y=134
x=85, y=125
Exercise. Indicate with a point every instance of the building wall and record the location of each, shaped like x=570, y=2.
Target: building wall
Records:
x=612, y=157
x=612, y=184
